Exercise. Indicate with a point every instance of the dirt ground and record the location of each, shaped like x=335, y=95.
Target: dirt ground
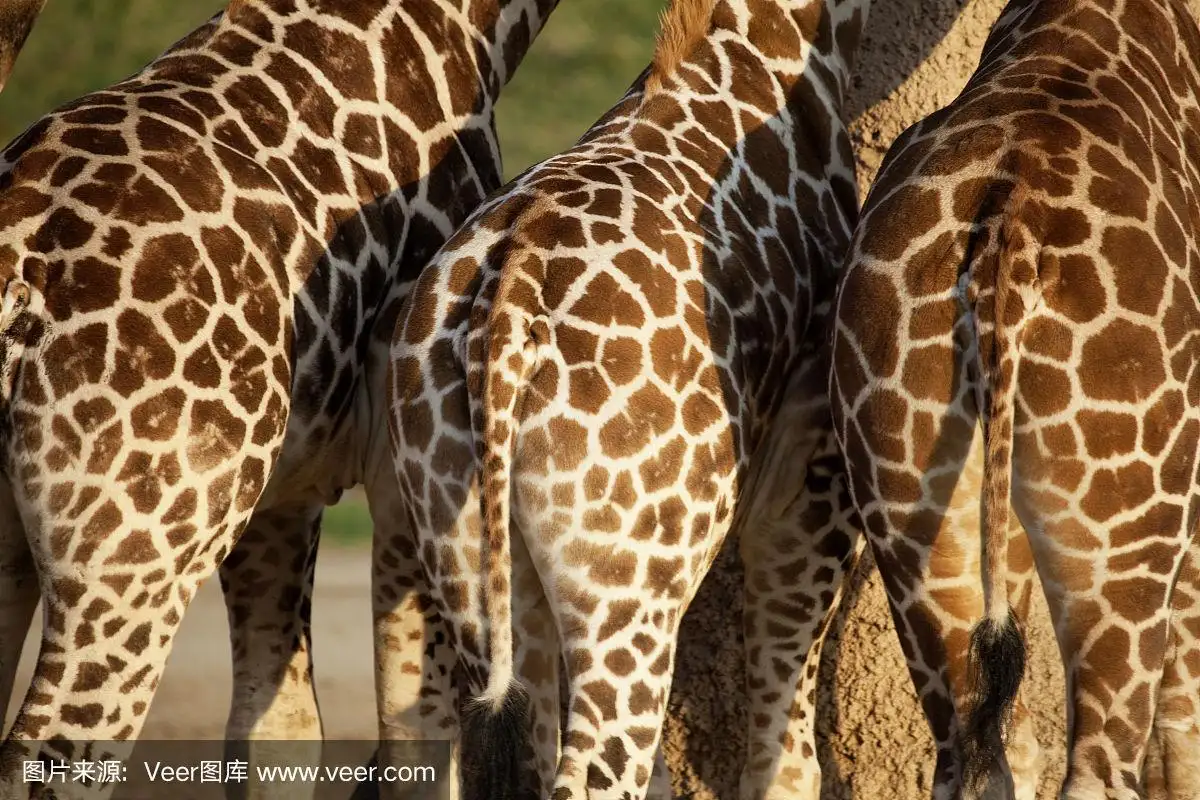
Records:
x=874, y=741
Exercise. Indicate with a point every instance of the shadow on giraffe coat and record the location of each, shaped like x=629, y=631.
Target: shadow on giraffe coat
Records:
x=602, y=295
x=254, y=277
x=708, y=701
x=1104, y=144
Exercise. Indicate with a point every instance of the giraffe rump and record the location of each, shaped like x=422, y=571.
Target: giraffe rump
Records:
x=996, y=655
x=684, y=24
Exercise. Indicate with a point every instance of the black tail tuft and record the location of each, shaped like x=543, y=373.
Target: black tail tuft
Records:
x=995, y=666
x=495, y=749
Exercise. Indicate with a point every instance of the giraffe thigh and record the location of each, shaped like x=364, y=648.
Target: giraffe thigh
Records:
x=267, y=580
x=19, y=594
x=1112, y=626
x=1173, y=763
x=795, y=561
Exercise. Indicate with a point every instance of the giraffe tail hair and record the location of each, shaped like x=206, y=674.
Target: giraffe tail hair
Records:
x=494, y=743
x=996, y=652
x=496, y=724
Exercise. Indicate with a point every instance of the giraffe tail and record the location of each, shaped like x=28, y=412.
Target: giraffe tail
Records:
x=496, y=724
x=996, y=652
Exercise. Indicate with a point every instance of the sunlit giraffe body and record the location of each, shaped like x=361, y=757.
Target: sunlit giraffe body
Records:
x=1027, y=256
x=201, y=268
x=598, y=354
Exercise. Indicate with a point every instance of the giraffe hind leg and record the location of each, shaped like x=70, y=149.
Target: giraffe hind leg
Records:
x=618, y=643
x=927, y=551
x=417, y=567
x=1021, y=749
x=267, y=580
x=19, y=594
x=1173, y=762
x=795, y=565
x=110, y=622
x=1113, y=634
x=416, y=691
x=614, y=726
x=537, y=658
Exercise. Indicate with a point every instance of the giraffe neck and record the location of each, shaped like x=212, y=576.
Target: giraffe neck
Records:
x=1166, y=26
x=829, y=32
x=16, y=21
x=507, y=28
x=797, y=41
x=502, y=30
x=745, y=71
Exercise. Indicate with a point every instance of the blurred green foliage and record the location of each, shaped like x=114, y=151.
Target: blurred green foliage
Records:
x=585, y=59
x=581, y=64
x=78, y=46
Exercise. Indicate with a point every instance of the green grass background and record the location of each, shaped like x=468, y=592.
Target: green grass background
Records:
x=588, y=54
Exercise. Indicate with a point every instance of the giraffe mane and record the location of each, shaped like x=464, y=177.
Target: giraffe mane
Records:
x=684, y=24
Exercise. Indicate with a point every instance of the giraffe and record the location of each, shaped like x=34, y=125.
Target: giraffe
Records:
x=201, y=271
x=16, y=21
x=1025, y=259
x=607, y=340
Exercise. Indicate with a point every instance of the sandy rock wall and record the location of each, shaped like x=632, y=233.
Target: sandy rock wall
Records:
x=874, y=742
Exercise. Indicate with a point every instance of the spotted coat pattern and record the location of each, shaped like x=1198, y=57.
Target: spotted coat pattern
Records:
x=200, y=270
x=597, y=356
x=1043, y=225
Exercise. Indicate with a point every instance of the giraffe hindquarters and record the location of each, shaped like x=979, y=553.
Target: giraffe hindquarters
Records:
x=267, y=579
x=19, y=594
x=795, y=562
x=1173, y=763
